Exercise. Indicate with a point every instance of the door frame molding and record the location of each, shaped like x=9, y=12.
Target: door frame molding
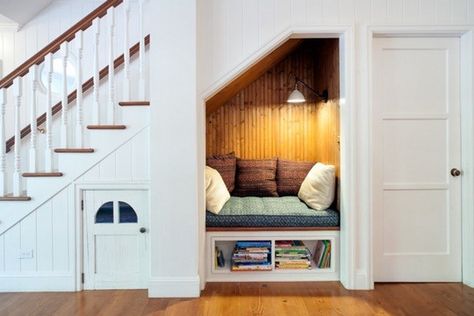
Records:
x=466, y=36
x=79, y=189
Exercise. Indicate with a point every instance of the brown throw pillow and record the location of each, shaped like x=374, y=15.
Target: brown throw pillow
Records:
x=226, y=166
x=290, y=175
x=256, y=177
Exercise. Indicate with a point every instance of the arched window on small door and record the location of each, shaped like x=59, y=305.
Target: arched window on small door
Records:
x=105, y=213
x=126, y=213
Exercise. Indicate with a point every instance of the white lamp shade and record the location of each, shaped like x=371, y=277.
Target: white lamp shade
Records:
x=296, y=97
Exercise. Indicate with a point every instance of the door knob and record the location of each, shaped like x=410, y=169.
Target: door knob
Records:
x=455, y=172
x=142, y=230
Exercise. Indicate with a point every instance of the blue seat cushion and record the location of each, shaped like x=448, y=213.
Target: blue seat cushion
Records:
x=285, y=211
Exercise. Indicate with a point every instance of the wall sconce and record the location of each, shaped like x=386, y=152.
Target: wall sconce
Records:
x=297, y=97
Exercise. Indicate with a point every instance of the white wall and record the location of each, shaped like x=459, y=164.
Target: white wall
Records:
x=174, y=147
x=50, y=231
x=235, y=29
x=232, y=33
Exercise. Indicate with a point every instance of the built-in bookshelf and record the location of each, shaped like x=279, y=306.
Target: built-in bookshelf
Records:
x=292, y=256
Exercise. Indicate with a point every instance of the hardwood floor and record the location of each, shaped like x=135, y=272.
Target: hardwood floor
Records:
x=229, y=299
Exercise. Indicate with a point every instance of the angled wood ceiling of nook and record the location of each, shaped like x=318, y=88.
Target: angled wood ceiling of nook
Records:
x=251, y=74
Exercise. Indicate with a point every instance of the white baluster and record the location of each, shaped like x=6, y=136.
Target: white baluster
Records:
x=17, y=92
x=79, y=114
x=126, y=52
x=141, y=58
x=48, y=155
x=3, y=154
x=64, y=102
x=34, y=128
x=111, y=76
x=96, y=111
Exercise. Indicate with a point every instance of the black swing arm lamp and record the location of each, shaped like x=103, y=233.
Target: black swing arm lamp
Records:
x=297, y=97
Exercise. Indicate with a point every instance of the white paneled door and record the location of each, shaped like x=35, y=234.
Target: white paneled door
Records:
x=115, y=239
x=417, y=159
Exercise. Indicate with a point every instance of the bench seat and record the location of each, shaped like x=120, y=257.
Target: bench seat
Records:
x=271, y=213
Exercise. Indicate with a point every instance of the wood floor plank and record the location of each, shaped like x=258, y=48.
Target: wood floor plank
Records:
x=273, y=299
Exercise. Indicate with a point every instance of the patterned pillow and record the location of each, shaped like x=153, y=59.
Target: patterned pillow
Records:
x=256, y=177
x=290, y=175
x=226, y=166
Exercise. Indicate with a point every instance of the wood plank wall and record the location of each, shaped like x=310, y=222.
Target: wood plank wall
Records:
x=258, y=123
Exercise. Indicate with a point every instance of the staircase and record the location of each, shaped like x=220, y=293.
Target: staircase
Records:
x=90, y=118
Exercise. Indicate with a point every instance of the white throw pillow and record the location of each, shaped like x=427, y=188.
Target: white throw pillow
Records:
x=318, y=188
x=216, y=191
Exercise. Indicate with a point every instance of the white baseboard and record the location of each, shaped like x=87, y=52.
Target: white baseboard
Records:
x=174, y=287
x=362, y=281
x=38, y=283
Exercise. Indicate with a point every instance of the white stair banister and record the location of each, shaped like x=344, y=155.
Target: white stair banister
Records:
x=3, y=149
x=111, y=76
x=48, y=154
x=79, y=100
x=64, y=100
x=96, y=105
x=33, y=163
x=126, y=54
x=141, y=58
x=17, y=181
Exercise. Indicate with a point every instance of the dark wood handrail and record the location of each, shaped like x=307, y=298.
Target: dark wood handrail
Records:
x=72, y=96
x=54, y=46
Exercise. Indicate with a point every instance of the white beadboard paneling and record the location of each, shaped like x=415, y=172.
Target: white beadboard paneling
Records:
x=235, y=44
x=298, y=12
x=140, y=159
x=460, y=11
x=91, y=175
x=379, y=11
x=282, y=15
x=60, y=231
x=2, y=253
x=107, y=167
x=346, y=10
x=411, y=11
x=219, y=35
x=443, y=11
x=428, y=7
x=12, y=248
x=330, y=11
x=395, y=11
x=44, y=241
x=362, y=11
x=123, y=162
x=314, y=11
x=250, y=27
x=266, y=11
x=128, y=163
x=28, y=242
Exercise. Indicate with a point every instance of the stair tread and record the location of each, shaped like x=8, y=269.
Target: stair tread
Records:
x=134, y=103
x=15, y=198
x=42, y=174
x=106, y=127
x=74, y=150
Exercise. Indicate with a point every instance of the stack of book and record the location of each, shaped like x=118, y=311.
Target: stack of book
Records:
x=292, y=254
x=219, y=258
x=322, y=254
x=252, y=256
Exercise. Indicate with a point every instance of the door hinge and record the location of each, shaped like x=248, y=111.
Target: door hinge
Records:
x=82, y=278
x=82, y=205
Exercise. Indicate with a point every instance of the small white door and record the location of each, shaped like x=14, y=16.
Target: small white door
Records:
x=417, y=202
x=115, y=239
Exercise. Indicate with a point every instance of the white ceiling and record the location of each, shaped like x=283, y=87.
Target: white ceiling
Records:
x=21, y=11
